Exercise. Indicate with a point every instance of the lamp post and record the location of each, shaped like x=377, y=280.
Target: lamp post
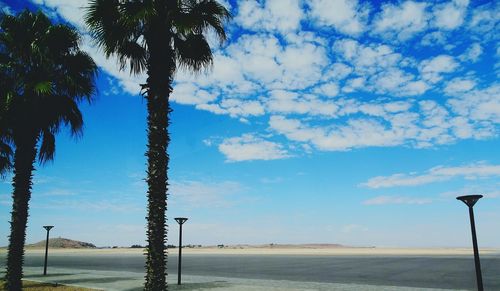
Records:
x=181, y=221
x=48, y=228
x=470, y=200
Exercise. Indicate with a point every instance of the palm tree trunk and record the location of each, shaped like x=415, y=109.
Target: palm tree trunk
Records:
x=161, y=66
x=24, y=159
x=157, y=191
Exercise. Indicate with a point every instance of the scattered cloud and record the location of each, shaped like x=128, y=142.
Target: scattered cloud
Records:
x=450, y=15
x=432, y=69
x=459, y=85
x=309, y=73
x=472, y=54
x=249, y=147
x=401, y=21
x=436, y=174
x=384, y=200
x=275, y=15
x=348, y=17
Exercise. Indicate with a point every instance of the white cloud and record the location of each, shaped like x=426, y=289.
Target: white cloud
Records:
x=479, y=105
x=249, y=147
x=484, y=21
x=319, y=86
x=188, y=93
x=459, y=85
x=436, y=174
x=327, y=89
x=378, y=68
x=472, y=54
x=432, y=69
x=450, y=15
x=280, y=101
x=71, y=10
x=280, y=15
x=384, y=200
x=346, y=16
x=436, y=38
x=401, y=21
x=356, y=133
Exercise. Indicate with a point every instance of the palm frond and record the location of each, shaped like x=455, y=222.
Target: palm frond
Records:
x=133, y=54
x=202, y=16
x=193, y=52
x=111, y=24
x=47, y=147
x=76, y=77
x=61, y=38
x=6, y=156
x=43, y=87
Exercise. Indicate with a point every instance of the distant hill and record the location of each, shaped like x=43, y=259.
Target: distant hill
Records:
x=63, y=243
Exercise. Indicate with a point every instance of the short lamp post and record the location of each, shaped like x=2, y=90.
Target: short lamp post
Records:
x=470, y=200
x=48, y=228
x=181, y=221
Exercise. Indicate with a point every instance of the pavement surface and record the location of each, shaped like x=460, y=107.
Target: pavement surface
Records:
x=265, y=272
x=131, y=281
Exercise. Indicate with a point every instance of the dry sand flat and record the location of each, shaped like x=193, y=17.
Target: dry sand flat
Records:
x=287, y=250
x=339, y=251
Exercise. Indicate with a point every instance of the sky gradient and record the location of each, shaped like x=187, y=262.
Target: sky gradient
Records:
x=323, y=121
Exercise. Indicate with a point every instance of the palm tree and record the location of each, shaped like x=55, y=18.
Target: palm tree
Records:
x=157, y=37
x=44, y=77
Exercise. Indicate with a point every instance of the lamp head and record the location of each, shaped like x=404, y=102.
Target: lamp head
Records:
x=469, y=200
x=180, y=220
x=48, y=227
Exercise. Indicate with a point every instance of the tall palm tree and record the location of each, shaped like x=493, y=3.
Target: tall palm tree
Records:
x=157, y=37
x=44, y=77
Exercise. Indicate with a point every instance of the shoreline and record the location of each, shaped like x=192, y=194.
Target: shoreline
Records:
x=308, y=251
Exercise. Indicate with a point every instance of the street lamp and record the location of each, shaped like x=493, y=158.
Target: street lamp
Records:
x=48, y=228
x=181, y=221
x=470, y=200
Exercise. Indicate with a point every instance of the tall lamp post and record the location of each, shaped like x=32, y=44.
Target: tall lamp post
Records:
x=470, y=200
x=48, y=228
x=181, y=221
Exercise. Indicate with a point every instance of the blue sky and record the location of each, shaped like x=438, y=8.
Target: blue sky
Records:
x=329, y=121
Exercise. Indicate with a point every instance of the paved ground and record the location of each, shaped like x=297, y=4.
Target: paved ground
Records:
x=264, y=272
x=131, y=281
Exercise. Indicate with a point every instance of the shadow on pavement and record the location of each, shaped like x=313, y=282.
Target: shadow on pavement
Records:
x=48, y=275
x=191, y=286
x=93, y=280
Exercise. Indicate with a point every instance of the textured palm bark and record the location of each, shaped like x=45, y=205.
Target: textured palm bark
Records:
x=158, y=88
x=24, y=159
x=157, y=189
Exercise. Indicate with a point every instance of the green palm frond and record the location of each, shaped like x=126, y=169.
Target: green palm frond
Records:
x=43, y=88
